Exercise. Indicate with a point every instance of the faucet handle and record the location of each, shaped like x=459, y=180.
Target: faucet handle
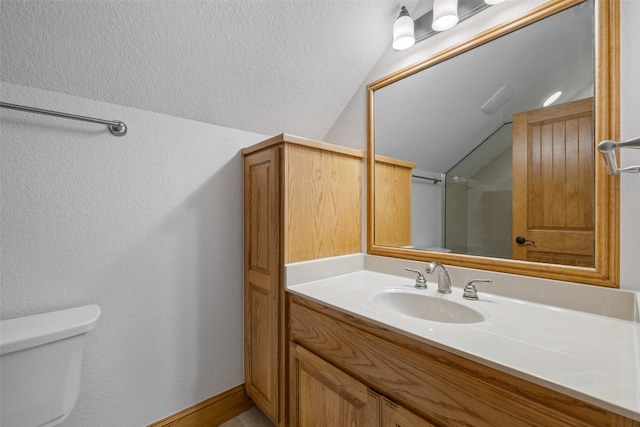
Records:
x=470, y=291
x=421, y=282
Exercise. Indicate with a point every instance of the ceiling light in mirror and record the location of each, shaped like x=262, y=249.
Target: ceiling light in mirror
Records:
x=553, y=98
x=445, y=14
x=403, y=31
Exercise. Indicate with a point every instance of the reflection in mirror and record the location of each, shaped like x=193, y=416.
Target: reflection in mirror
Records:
x=453, y=120
x=469, y=167
x=478, y=199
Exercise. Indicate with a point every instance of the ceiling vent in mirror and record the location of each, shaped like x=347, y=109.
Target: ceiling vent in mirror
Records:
x=497, y=99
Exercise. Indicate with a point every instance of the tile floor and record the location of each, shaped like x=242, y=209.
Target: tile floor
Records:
x=251, y=418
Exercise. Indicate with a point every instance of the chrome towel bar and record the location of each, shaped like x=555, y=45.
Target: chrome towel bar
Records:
x=607, y=148
x=116, y=127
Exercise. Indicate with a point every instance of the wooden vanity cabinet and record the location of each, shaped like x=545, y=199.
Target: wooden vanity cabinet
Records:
x=302, y=201
x=420, y=385
x=393, y=415
x=392, y=216
x=323, y=395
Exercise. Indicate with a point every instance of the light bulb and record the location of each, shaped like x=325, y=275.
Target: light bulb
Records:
x=403, y=35
x=445, y=14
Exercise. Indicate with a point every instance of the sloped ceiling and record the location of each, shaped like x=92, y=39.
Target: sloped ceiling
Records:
x=257, y=65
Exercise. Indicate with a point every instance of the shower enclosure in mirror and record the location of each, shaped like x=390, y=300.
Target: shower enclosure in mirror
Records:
x=477, y=199
x=470, y=168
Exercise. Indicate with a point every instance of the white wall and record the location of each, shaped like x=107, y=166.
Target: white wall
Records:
x=351, y=125
x=426, y=204
x=630, y=128
x=147, y=226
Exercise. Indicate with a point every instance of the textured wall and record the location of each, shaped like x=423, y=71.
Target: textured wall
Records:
x=351, y=125
x=263, y=66
x=147, y=226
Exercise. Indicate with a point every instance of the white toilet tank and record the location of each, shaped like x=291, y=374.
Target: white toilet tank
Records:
x=40, y=363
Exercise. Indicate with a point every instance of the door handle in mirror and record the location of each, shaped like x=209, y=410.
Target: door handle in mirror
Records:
x=521, y=240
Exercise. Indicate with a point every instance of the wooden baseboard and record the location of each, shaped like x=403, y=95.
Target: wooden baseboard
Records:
x=211, y=412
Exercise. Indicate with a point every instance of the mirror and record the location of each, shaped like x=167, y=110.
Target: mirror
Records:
x=466, y=167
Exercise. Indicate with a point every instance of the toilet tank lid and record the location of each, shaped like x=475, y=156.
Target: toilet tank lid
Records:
x=30, y=331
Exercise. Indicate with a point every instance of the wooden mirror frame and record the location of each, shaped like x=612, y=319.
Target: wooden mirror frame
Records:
x=607, y=126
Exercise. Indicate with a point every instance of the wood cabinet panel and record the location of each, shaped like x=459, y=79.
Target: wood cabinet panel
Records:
x=397, y=416
x=263, y=365
x=323, y=207
x=393, y=195
x=442, y=387
x=324, y=396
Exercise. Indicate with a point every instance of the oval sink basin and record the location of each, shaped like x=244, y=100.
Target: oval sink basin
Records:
x=426, y=306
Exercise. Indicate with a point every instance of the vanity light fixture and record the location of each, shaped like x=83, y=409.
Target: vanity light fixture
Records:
x=445, y=14
x=492, y=2
x=407, y=32
x=553, y=98
x=403, y=31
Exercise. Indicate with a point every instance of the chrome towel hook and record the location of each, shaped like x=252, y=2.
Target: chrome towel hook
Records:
x=607, y=148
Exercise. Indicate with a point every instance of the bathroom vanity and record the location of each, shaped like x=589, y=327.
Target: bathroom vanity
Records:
x=359, y=360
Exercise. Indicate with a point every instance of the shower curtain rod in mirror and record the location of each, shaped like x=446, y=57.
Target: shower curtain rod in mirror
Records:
x=435, y=181
x=116, y=127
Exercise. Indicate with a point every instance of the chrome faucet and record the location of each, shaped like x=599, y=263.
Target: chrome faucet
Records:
x=444, y=282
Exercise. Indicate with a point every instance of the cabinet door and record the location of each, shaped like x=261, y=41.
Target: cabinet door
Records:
x=396, y=416
x=262, y=275
x=324, y=396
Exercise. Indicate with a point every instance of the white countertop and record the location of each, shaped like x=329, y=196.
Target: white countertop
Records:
x=592, y=357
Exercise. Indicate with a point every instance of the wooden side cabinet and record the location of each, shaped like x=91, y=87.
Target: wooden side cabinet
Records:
x=392, y=214
x=302, y=201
